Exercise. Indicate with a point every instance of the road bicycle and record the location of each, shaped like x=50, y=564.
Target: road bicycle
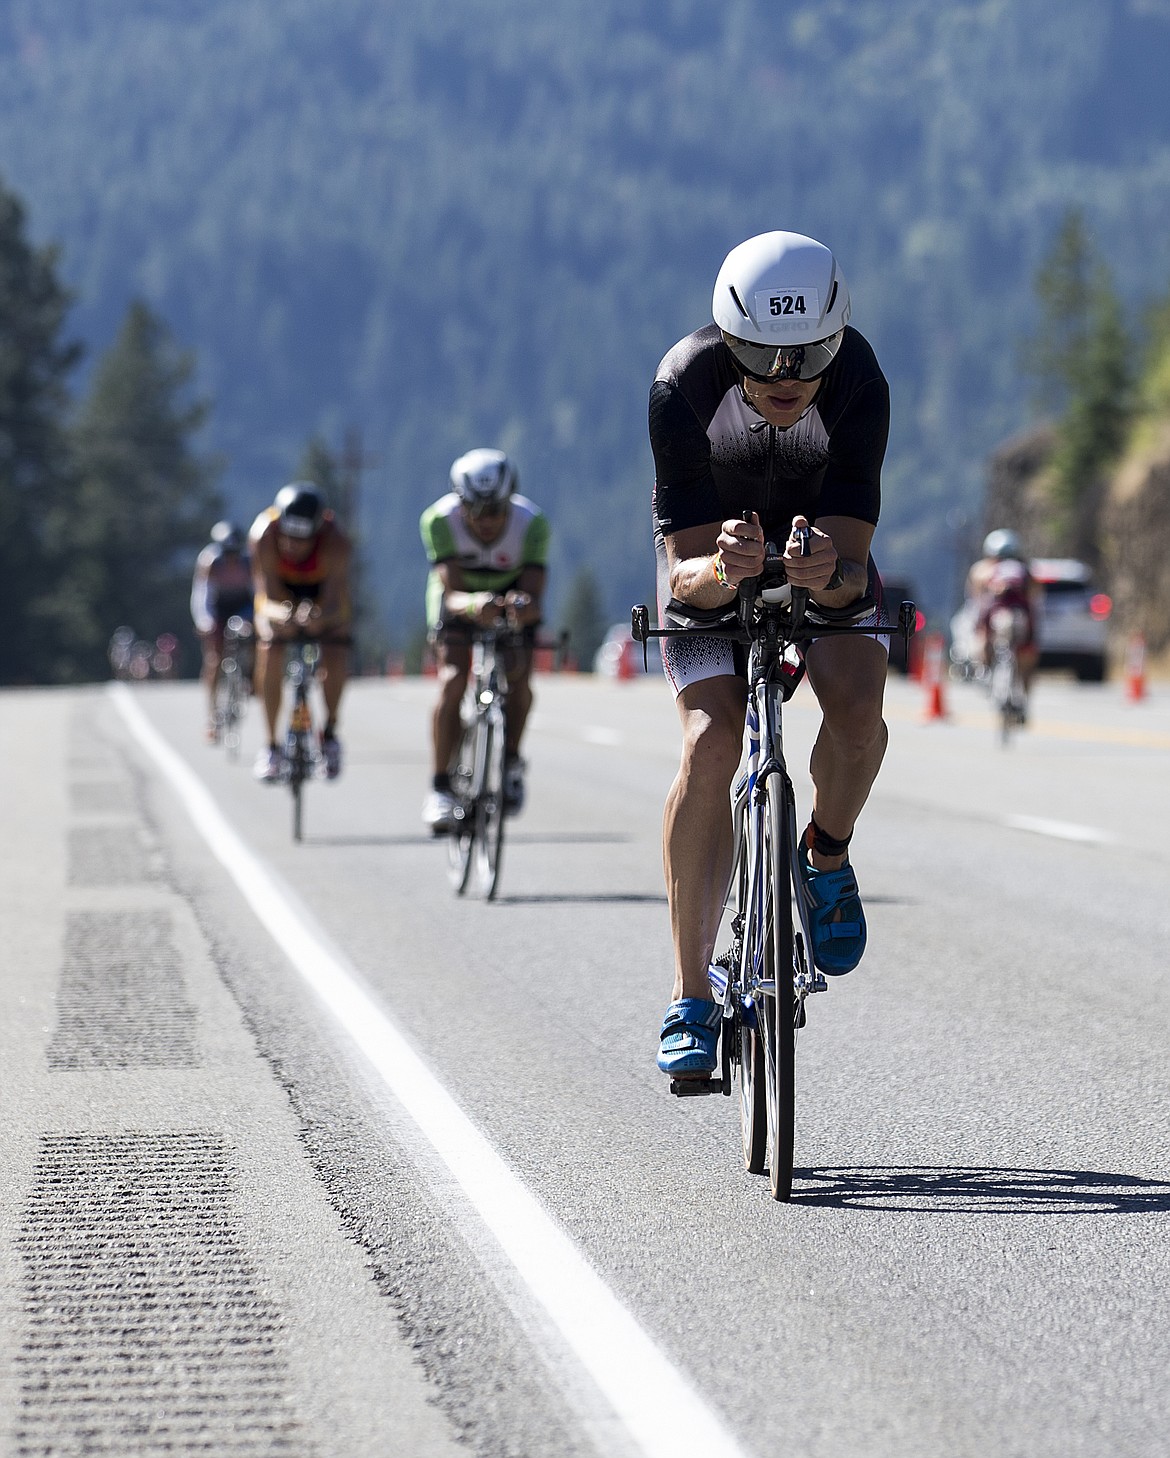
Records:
x=302, y=758
x=1006, y=627
x=763, y=978
x=233, y=684
x=475, y=840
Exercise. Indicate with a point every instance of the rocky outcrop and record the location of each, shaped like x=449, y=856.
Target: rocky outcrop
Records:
x=1123, y=533
x=1019, y=491
x=1135, y=532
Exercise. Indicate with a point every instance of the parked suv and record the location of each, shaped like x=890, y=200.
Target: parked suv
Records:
x=1074, y=624
x=1072, y=628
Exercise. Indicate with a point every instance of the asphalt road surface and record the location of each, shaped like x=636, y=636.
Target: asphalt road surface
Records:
x=304, y=1155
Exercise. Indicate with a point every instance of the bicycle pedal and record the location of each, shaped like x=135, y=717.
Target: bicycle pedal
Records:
x=686, y=1088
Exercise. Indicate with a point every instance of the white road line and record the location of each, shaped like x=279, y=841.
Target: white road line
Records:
x=599, y=734
x=1060, y=829
x=653, y=1400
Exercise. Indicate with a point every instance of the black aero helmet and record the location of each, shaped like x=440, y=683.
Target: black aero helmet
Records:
x=301, y=509
x=227, y=536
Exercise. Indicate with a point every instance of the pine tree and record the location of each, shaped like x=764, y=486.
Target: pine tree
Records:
x=1081, y=359
x=583, y=617
x=34, y=471
x=143, y=501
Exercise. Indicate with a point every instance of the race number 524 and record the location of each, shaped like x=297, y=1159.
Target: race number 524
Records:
x=787, y=305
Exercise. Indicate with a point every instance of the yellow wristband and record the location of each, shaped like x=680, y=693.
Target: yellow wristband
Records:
x=718, y=569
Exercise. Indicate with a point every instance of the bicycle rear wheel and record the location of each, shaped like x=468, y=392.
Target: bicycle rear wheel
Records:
x=779, y=1010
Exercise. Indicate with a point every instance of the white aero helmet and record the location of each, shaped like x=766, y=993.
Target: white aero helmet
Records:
x=782, y=305
x=1002, y=543
x=483, y=479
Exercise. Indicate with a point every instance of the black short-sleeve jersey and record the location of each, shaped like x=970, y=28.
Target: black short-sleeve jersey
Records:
x=715, y=457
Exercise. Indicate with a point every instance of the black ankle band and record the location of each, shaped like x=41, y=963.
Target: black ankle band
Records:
x=824, y=845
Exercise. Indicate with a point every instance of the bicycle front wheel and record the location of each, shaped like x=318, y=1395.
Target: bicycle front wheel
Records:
x=461, y=836
x=232, y=711
x=489, y=830
x=779, y=1010
x=753, y=1089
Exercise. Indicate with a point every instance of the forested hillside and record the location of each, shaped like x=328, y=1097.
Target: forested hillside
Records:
x=485, y=221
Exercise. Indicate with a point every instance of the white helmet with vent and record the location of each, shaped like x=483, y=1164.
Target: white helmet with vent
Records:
x=782, y=304
x=483, y=479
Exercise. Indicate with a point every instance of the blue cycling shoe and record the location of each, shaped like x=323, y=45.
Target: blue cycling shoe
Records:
x=689, y=1037
x=838, y=945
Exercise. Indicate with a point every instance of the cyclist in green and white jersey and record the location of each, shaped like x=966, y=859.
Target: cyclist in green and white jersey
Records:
x=488, y=549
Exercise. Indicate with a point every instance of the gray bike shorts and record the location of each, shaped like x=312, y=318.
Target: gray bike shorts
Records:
x=696, y=656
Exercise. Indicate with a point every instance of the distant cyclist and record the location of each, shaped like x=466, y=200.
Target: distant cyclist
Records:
x=220, y=589
x=1001, y=578
x=488, y=549
x=773, y=417
x=301, y=568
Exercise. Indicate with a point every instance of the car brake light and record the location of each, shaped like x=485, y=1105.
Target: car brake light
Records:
x=1100, y=605
x=919, y=621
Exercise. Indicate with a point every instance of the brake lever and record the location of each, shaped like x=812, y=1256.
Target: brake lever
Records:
x=639, y=631
x=803, y=538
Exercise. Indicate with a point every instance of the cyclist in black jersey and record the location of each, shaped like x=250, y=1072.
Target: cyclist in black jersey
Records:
x=774, y=417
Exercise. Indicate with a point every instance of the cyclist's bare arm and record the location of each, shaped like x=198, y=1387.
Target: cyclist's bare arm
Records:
x=201, y=596
x=836, y=544
x=520, y=605
x=523, y=602
x=272, y=610
x=459, y=601
x=735, y=547
x=332, y=608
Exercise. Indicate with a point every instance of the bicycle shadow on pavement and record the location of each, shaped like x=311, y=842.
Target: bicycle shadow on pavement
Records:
x=980, y=1190
x=584, y=898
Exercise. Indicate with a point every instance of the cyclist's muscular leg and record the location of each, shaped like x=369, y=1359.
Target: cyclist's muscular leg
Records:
x=269, y=681
x=212, y=645
x=333, y=675
x=848, y=676
x=454, y=666
x=520, y=697
x=696, y=832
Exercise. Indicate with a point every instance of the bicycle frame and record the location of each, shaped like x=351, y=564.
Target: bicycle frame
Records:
x=300, y=754
x=477, y=778
x=232, y=690
x=1005, y=628
x=762, y=983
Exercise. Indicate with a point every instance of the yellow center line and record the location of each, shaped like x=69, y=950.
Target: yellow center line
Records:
x=1050, y=729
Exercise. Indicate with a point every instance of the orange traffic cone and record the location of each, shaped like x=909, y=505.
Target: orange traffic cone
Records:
x=932, y=674
x=1135, y=669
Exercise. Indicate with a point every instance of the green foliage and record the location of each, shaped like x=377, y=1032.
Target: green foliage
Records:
x=318, y=464
x=1068, y=286
x=34, y=468
x=479, y=222
x=583, y=617
x=126, y=538
x=1082, y=359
